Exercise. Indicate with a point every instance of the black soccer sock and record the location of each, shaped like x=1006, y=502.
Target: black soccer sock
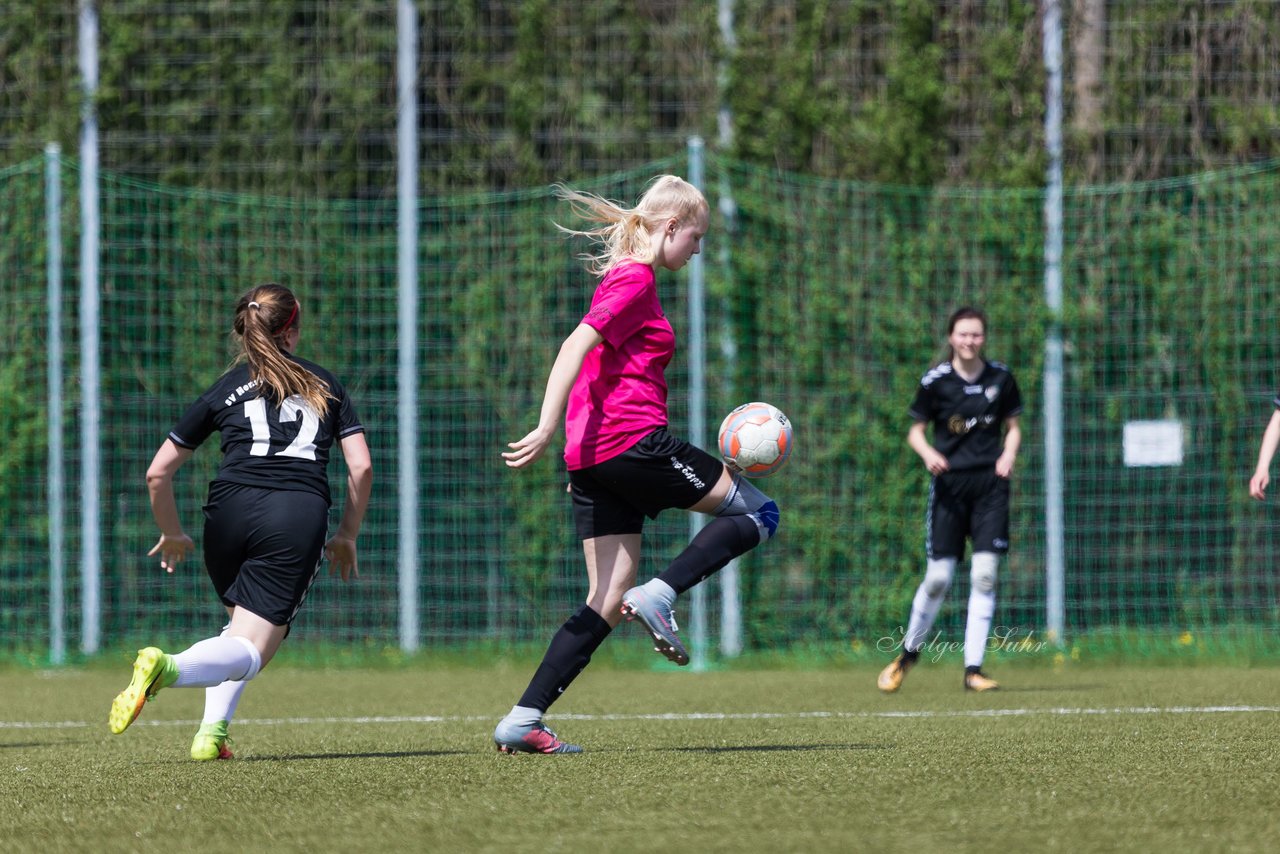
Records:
x=568, y=653
x=723, y=539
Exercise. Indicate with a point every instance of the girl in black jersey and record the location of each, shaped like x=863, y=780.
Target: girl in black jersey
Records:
x=267, y=511
x=973, y=406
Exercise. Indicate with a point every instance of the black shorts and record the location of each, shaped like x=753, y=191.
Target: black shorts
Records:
x=659, y=472
x=971, y=504
x=262, y=547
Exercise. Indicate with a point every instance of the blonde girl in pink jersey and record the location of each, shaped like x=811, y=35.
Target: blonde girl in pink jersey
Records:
x=624, y=466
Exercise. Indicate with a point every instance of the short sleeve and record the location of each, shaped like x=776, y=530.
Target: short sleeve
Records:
x=921, y=408
x=1012, y=399
x=619, y=309
x=195, y=425
x=348, y=422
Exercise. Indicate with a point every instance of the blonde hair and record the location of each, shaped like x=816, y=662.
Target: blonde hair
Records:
x=626, y=233
x=263, y=315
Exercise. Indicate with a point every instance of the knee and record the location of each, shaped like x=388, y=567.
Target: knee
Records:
x=745, y=499
x=768, y=517
x=258, y=659
x=607, y=603
x=937, y=576
x=983, y=572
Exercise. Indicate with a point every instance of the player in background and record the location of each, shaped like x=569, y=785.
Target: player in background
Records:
x=624, y=465
x=1270, y=440
x=266, y=514
x=973, y=406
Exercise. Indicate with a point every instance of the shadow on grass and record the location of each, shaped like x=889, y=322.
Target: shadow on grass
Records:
x=390, y=754
x=775, y=748
x=1048, y=687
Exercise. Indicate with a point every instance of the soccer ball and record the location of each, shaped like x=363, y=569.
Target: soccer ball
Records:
x=755, y=439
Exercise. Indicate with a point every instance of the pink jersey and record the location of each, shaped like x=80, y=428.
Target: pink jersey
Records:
x=620, y=395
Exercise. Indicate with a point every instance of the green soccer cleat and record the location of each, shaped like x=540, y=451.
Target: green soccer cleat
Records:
x=211, y=742
x=152, y=670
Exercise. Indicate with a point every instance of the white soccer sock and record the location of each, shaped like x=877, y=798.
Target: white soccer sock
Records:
x=924, y=608
x=213, y=661
x=661, y=591
x=982, y=607
x=220, y=701
x=928, y=600
x=523, y=716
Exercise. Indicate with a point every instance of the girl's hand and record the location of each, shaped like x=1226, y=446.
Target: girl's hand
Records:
x=1258, y=484
x=1004, y=465
x=935, y=462
x=341, y=553
x=172, y=549
x=527, y=449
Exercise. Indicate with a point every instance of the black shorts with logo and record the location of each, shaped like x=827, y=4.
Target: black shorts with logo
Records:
x=659, y=472
x=262, y=547
x=972, y=504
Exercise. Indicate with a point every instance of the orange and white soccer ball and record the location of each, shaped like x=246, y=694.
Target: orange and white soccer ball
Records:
x=755, y=439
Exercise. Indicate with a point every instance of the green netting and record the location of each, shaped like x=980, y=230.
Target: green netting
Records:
x=825, y=298
x=24, y=578
x=1173, y=289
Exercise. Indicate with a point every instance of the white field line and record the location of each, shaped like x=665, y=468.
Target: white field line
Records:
x=681, y=716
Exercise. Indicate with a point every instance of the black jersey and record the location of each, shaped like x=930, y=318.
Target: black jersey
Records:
x=266, y=444
x=968, y=418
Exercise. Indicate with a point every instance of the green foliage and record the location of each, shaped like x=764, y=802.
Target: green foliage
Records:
x=994, y=79
x=527, y=93
x=839, y=292
x=24, y=402
x=827, y=299
x=299, y=99
x=826, y=293
x=39, y=101
x=902, y=132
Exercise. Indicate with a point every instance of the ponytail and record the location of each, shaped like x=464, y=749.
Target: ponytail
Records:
x=264, y=315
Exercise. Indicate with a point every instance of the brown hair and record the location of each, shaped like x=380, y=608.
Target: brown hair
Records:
x=964, y=312
x=263, y=315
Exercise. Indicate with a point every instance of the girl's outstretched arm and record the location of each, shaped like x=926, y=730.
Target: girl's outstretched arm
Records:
x=568, y=363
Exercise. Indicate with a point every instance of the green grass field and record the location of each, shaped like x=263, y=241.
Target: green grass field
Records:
x=1083, y=758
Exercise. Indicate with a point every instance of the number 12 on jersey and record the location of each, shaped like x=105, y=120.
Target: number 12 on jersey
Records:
x=294, y=407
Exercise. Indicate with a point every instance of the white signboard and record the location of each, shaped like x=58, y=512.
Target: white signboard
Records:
x=1153, y=443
